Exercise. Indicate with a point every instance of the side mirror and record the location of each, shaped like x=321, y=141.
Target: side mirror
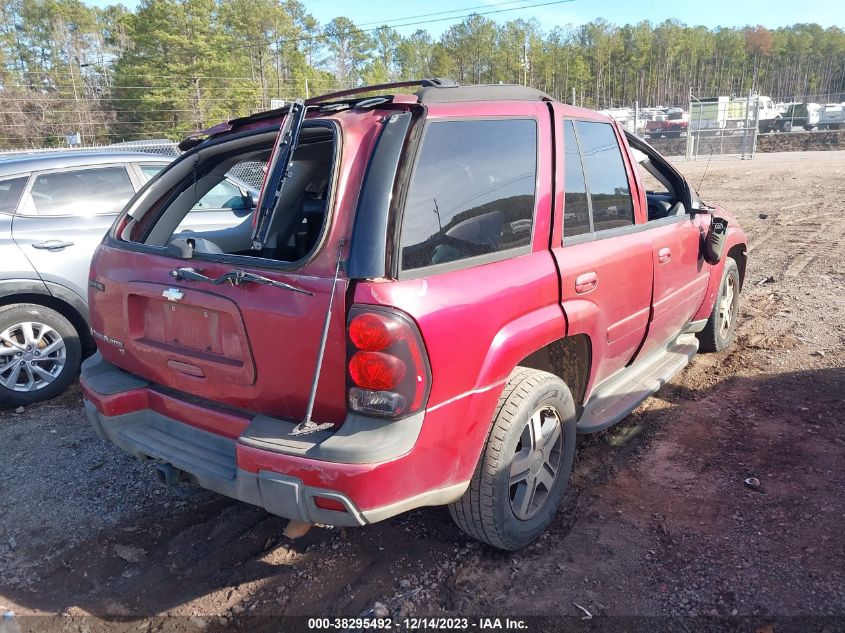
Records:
x=241, y=204
x=715, y=240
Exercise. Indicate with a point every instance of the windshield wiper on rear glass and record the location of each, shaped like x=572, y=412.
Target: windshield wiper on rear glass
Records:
x=234, y=277
x=278, y=170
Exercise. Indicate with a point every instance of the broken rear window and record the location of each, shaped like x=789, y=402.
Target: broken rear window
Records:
x=210, y=199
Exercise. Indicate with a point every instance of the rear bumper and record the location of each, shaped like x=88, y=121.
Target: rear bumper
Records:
x=369, y=469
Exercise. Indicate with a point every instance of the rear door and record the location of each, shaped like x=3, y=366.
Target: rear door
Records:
x=604, y=258
x=251, y=346
x=15, y=265
x=64, y=215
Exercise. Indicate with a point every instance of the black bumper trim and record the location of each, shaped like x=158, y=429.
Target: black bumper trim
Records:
x=210, y=460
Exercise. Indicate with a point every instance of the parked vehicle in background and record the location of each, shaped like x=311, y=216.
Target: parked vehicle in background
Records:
x=412, y=321
x=725, y=113
x=805, y=115
x=54, y=210
x=673, y=124
x=623, y=116
x=832, y=117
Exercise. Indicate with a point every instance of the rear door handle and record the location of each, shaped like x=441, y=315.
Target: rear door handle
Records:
x=664, y=255
x=586, y=282
x=51, y=245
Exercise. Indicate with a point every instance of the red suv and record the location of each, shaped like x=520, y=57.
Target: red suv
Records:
x=434, y=294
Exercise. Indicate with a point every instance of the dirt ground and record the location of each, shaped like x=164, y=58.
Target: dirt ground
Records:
x=656, y=521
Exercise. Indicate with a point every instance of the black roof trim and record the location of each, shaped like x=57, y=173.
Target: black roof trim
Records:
x=484, y=92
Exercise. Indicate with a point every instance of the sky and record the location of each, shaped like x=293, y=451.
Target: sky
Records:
x=710, y=13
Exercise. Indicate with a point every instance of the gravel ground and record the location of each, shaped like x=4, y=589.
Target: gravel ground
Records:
x=657, y=520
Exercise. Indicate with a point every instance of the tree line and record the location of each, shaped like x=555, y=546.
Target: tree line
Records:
x=174, y=66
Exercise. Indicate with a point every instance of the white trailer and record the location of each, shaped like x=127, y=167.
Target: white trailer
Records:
x=720, y=113
x=832, y=117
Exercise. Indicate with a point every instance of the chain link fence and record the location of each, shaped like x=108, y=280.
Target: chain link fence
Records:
x=251, y=173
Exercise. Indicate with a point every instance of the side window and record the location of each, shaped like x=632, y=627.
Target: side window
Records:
x=472, y=191
x=82, y=192
x=151, y=170
x=223, y=195
x=224, y=205
x=576, y=210
x=610, y=192
x=650, y=182
x=10, y=193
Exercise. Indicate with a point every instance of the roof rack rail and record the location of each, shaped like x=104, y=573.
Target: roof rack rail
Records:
x=429, y=92
x=435, y=82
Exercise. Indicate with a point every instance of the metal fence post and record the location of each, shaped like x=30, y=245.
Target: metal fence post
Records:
x=755, y=131
x=745, y=124
x=690, y=131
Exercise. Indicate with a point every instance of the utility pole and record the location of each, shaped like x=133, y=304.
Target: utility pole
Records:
x=73, y=63
x=525, y=64
x=278, y=68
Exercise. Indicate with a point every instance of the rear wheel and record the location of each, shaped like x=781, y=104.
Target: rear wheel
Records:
x=39, y=353
x=522, y=473
x=719, y=331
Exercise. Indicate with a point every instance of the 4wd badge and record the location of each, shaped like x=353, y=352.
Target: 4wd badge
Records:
x=173, y=294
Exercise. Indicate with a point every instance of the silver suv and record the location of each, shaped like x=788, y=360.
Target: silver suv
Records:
x=54, y=210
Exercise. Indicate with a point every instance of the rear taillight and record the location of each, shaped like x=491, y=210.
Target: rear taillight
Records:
x=387, y=367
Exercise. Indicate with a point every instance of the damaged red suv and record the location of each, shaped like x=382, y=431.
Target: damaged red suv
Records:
x=435, y=292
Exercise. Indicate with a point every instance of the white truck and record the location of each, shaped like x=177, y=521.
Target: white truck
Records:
x=805, y=115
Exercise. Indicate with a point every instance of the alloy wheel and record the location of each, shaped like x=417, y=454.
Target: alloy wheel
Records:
x=726, y=306
x=536, y=463
x=32, y=355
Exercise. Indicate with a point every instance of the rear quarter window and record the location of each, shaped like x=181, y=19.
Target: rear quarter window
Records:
x=471, y=195
x=10, y=193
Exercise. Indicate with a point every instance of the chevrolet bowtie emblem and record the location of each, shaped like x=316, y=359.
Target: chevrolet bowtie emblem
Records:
x=173, y=294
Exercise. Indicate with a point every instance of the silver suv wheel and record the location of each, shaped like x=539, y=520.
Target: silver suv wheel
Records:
x=32, y=355
x=40, y=353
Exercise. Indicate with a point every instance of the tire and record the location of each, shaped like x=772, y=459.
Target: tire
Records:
x=717, y=335
x=28, y=375
x=786, y=126
x=499, y=507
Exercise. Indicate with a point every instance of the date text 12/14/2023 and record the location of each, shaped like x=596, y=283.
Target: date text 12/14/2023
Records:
x=418, y=624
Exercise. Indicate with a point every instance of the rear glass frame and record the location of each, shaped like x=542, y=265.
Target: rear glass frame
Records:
x=168, y=197
x=407, y=177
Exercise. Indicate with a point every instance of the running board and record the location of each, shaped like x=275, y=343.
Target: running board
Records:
x=620, y=394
